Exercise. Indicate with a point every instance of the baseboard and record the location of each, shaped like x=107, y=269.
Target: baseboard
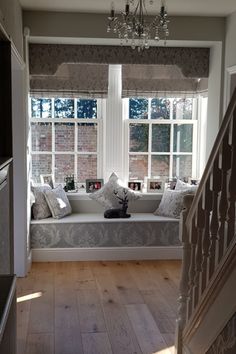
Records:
x=105, y=254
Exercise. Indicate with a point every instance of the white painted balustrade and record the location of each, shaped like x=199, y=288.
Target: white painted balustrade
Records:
x=207, y=227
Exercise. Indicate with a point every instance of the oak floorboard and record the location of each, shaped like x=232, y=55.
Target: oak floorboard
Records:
x=42, y=308
x=98, y=307
x=90, y=311
x=145, y=328
x=40, y=344
x=67, y=330
x=96, y=343
x=125, y=284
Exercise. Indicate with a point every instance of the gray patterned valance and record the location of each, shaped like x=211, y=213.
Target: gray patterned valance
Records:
x=159, y=81
x=85, y=80
x=71, y=68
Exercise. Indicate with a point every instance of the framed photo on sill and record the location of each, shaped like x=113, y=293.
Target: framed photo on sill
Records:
x=93, y=185
x=155, y=185
x=135, y=185
x=47, y=179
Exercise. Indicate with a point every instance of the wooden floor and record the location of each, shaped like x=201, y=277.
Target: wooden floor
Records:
x=98, y=307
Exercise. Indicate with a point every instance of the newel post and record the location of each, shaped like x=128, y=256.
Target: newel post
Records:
x=184, y=282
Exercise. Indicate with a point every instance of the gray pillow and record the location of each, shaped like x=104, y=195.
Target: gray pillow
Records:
x=40, y=207
x=106, y=197
x=171, y=203
x=58, y=202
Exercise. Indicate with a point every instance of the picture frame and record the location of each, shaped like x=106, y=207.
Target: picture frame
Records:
x=193, y=181
x=47, y=179
x=135, y=185
x=171, y=183
x=155, y=185
x=93, y=185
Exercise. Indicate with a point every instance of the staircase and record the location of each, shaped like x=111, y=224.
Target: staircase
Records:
x=207, y=298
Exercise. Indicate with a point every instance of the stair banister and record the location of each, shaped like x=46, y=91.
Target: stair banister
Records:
x=207, y=226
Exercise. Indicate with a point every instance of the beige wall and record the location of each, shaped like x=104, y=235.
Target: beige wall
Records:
x=230, y=41
x=11, y=20
x=58, y=24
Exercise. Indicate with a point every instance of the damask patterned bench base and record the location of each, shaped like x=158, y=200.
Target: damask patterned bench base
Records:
x=91, y=232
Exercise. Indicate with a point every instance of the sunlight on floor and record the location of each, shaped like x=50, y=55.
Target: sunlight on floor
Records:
x=169, y=350
x=29, y=297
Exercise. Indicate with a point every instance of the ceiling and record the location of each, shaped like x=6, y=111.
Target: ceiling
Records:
x=175, y=7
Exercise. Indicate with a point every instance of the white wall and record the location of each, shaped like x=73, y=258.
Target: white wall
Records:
x=11, y=21
x=230, y=41
x=19, y=165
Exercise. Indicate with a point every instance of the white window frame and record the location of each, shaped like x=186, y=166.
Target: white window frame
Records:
x=194, y=122
x=75, y=121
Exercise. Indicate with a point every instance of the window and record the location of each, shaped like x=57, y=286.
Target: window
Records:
x=162, y=136
x=64, y=137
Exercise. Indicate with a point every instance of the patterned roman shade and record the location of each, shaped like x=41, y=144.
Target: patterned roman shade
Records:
x=83, y=69
x=159, y=81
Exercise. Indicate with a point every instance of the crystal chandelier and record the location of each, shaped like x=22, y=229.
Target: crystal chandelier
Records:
x=133, y=27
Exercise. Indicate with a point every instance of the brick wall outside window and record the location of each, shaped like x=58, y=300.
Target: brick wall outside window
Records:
x=62, y=143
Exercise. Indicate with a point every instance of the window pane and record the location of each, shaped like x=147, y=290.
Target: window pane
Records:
x=64, y=108
x=138, y=137
x=41, y=165
x=160, y=166
x=138, y=166
x=138, y=108
x=41, y=107
x=64, y=136
x=160, y=137
x=41, y=136
x=183, y=137
x=182, y=166
x=183, y=108
x=160, y=108
x=64, y=166
x=87, y=167
x=87, y=137
x=86, y=108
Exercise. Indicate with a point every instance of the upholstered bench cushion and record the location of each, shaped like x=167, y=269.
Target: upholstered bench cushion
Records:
x=93, y=230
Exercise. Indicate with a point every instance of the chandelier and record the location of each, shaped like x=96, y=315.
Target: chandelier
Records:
x=133, y=27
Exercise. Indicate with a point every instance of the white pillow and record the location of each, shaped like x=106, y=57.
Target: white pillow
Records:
x=58, y=202
x=171, y=203
x=40, y=208
x=181, y=186
x=106, y=197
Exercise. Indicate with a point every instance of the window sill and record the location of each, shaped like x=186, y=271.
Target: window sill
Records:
x=85, y=196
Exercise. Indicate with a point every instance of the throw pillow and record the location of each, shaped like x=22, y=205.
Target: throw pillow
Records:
x=40, y=207
x=58, y=202
x=171, y=203
x=181, y=186
x=106, y=196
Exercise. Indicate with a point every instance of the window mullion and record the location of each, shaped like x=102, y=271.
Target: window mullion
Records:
x=76, y=143
x=150, y=150
x=171, y=139
x=53, y=149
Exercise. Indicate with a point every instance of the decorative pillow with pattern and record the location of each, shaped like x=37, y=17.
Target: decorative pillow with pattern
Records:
x=40, y=208
x=58, y=202
x=171, y=203
x=106, y=196
x=182, y=186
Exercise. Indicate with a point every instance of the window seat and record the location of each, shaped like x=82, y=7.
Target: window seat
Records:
x=89, y=236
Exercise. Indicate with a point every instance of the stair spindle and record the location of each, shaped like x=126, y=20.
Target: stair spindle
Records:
x=207, y=207
x=232, y=185
x=214, y=224
x=225, y=158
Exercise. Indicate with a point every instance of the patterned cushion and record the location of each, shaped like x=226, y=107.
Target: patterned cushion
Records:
x=181, y=186
x=58, y=202
x=40, y=207
x=106, y=197
x=171, y=203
